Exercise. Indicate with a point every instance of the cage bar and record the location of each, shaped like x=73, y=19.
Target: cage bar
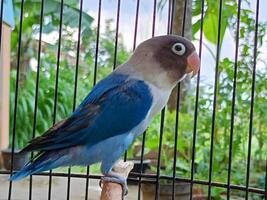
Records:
x=16, y=98
x=233, y=102
x=1, y=21
x=176, y=137
x=56, y=86
x=37, y=87
x=76, y=81
x=196, y=104
x=252, y=97
x=266, y=180
x=215, y=99
x=94, y=80
x=116, y=34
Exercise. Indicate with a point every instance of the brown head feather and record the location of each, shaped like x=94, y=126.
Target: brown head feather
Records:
x=154, y=59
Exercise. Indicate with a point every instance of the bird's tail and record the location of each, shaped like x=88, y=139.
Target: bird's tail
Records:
x=45, y=161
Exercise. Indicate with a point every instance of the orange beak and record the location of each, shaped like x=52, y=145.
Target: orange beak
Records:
x=193, y=63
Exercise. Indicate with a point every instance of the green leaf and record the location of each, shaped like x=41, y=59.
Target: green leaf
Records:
x=211, y=27
x=196, y=27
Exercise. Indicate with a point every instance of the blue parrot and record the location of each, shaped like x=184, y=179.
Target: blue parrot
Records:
x=117, y=110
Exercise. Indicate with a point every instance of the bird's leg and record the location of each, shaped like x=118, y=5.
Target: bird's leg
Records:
x=114, y=178
x=118, y=174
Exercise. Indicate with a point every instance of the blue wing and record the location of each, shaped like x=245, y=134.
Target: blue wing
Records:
x=115, y=106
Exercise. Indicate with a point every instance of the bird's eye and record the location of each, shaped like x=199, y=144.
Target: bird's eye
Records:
x=178, y=48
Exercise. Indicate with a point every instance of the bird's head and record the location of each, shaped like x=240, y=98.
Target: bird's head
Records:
x=165, y=60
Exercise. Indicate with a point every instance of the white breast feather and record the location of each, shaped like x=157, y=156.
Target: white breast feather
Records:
x=160, y=98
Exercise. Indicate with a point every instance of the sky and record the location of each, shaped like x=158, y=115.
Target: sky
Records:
x=144, y=31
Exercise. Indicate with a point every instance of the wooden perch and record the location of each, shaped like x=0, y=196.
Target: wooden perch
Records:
x=113, y=191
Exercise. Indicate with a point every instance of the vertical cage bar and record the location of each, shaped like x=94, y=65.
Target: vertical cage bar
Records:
x=184, y=17
x=97, y=40
x=252, y=97
x=75, y=82
x=154, y=17
x=266, y=179
x=170, y=29
x=56, y=86
x=162, y=116
x=233, y=102
x=141, y=168
x=159, y=154
x=144, y=135
x=94, y=80
x=117, y=34
x=115, y=47
x=37, y=87
x=136, y=23
x=196, y=104
x=77, y=57
x=177, y=114
x=215, y=98
x=1, y=22
x=1, y=27
x=170, y=16
x=87, y=182
x=175, y=143
x=16, y=97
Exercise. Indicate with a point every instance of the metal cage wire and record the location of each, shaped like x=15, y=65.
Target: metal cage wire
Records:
x=139, y=177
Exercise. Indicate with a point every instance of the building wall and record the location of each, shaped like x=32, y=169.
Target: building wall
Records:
x=4, y=85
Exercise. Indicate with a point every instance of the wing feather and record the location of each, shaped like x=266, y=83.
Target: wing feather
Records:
x=119, y=107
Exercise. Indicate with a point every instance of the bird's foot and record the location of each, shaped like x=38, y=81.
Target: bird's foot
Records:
x=116, y=179
x=118, y=174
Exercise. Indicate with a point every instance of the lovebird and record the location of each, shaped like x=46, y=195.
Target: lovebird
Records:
x=117, y=110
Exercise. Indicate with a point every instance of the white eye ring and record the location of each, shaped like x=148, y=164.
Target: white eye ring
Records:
x=178, y=48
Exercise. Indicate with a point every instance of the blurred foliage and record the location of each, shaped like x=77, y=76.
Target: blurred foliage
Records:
x=51, y=19
x=67, y=64
x=224, y=105
x=48, y=63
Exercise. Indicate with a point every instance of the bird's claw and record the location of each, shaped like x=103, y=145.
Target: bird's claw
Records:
x=118, y=180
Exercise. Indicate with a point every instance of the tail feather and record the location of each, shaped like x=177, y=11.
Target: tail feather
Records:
x=44, y=162
x=25, y=171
